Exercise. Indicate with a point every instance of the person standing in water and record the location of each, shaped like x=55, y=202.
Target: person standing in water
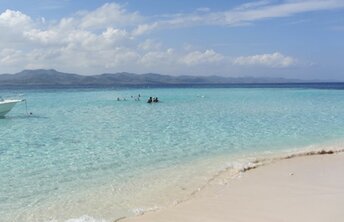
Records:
x=150, y=100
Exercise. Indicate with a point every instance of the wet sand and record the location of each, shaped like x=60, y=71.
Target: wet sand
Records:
x=303, y=188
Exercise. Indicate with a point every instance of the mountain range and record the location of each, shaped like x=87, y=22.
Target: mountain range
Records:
x=53, y=78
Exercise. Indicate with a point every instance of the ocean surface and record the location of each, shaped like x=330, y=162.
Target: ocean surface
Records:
x=83, y=156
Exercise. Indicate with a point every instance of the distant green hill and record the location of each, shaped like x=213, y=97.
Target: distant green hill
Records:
x=51, y=77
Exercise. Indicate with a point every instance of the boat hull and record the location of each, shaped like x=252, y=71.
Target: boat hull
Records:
x=6, y=106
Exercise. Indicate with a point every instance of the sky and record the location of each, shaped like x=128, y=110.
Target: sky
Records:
x=301, y=39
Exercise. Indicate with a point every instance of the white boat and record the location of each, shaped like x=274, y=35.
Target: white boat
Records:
x=6, y=105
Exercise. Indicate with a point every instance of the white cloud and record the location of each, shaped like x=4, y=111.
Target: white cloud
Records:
x=242, y=15
x=259, y=10
x=10, y=57
x=12, y=26
x=158, y=58
x=110, y=39
x=286, y=9
x=271, y=60
x=254, y=4
x=12, y=19
x=197, y=57
x=45, y=37
x=203, y=9
x=113, y=35
x=108, y=15
x=144, y=28
x=150, y=45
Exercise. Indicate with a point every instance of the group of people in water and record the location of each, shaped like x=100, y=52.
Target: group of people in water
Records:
x=153, y=100
x=137, y=98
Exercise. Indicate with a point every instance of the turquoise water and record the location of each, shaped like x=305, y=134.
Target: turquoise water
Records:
x=84, y=153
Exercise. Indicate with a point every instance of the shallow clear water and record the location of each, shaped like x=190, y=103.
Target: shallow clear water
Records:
x=83, y=153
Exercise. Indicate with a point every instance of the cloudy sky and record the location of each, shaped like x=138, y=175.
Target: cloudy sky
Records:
x=278, y=38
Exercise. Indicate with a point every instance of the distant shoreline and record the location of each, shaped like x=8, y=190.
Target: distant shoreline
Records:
x=305, y=85
x=52, y=78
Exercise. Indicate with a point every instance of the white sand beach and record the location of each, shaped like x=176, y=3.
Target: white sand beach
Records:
x=306, y=188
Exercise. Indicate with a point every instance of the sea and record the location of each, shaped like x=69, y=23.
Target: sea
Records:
x=76, y=155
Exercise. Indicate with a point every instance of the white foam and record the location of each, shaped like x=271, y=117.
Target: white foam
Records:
x=242, y=165
x=140, y=211
x=85, y=218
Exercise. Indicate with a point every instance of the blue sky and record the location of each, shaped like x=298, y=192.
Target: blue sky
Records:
x=290, y=38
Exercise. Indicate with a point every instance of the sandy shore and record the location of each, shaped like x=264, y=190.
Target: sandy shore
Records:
x=307, y=188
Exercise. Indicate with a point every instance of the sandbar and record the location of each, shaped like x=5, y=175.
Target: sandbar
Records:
x=302, y=188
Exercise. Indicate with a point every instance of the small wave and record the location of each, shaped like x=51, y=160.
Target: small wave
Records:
x=232, y=170
x=314, y=152
x=236, y=168
x=85, y=218
x=141, y=211
x=257, y=162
